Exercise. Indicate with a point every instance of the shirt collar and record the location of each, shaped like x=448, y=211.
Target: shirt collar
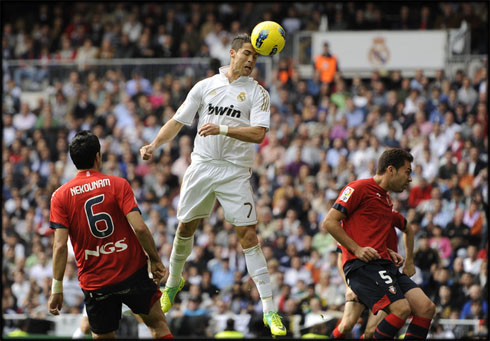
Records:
x=87, y=173
x=384, y=192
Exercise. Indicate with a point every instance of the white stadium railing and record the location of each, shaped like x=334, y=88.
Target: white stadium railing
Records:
x=66, y=324
x=150, y=68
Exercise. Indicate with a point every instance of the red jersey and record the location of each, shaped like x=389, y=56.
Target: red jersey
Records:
x=369, y=217
x=399, y=221
x=93, y=207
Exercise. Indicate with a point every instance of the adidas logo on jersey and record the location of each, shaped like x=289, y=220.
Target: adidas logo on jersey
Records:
x=228, y=111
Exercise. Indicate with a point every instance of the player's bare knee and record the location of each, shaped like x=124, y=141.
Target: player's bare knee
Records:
x=248, y=243
x=401, y=308
x=425, y=308
x=187, y=229
x=155, y=325
x=247, y=236
x=429, y=309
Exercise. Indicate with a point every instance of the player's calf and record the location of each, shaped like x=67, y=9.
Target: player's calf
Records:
x=394, y=321
x=351, y=314
x=423, y=310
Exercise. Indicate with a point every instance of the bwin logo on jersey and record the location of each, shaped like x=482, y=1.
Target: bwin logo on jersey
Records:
x=227, y=111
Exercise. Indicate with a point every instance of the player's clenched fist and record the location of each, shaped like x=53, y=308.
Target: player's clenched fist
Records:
x=55, y=303
x=209, y=129
x=146, y=152
x=159, y=272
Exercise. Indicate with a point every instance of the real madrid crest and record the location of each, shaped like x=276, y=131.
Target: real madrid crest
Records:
x=241, y=97
x=379, y=53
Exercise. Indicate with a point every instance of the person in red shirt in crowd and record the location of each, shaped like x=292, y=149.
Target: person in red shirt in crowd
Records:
x=483, y=253
x=420, y=192
x=360, y=220
x=99, y=213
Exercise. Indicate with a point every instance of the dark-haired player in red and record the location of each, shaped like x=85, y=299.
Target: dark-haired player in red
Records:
x=353, y=307
x=360, y=220
x=99, y=213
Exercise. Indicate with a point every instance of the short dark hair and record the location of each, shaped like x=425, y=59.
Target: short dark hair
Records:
x=83, y=149
x=395, y=157
x=230, y=324
x=239, y=40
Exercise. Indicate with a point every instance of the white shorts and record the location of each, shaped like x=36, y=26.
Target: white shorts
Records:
x=204, y=182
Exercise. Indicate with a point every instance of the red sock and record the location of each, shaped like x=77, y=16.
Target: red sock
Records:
x=168, y=336
x=418, y=328
x=336, y=334
x=388, y=327
x=361, y=337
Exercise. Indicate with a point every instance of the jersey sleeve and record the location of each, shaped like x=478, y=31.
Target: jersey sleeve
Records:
x=399, y=221
x=188, y=109
x=260, y=113
x=128, y=201
x=58, y=217
x=349, y=199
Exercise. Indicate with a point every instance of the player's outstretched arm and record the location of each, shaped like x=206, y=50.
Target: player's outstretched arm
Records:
x=60, y=255
x=408, y=240
x=332, y=224
x=246, y=134
x=146, y=240
x=166, y=133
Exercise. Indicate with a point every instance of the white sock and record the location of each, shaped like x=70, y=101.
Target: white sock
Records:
x=181, y=249
x=78, y=334
x=257, y=269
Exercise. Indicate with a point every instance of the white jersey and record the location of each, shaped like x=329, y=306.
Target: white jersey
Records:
x=243, y=103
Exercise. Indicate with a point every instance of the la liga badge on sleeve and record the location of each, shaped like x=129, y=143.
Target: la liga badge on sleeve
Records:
x=346, y=193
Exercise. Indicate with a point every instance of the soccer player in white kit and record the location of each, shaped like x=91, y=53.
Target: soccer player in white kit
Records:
x=234, y=113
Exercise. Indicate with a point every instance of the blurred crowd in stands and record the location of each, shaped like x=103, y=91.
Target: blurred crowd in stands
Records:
x=322, y=136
